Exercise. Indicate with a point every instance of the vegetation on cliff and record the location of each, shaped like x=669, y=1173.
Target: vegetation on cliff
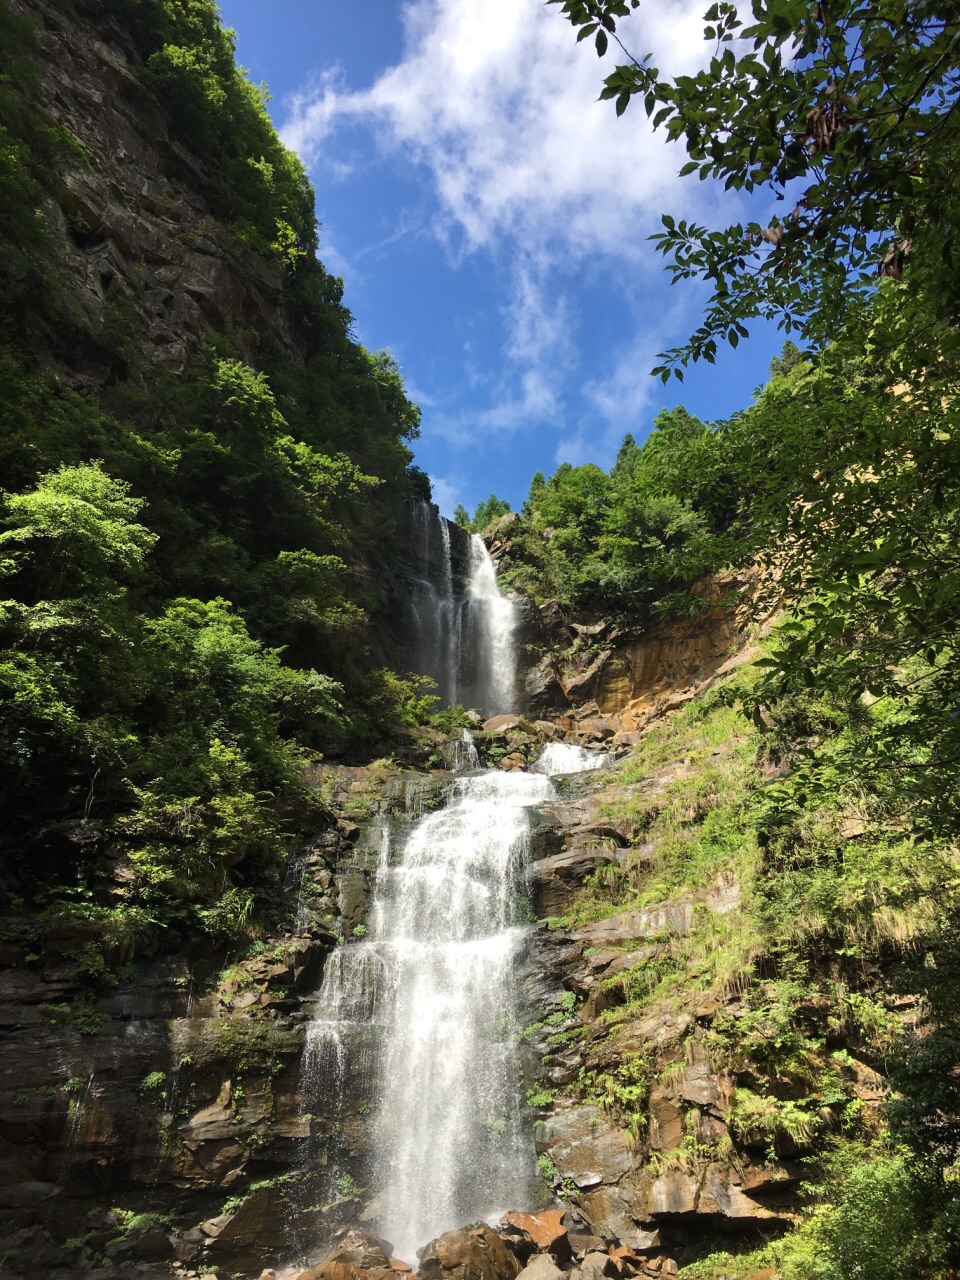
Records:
x=181, y=549
x=837, y=811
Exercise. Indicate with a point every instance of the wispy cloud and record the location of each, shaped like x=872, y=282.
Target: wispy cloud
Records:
x=497, y=103
x=500, y=104
x=446, y=493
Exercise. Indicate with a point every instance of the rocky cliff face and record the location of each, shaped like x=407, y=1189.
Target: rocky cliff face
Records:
x=133, y=225
x=601, y=680
x=162, y=1120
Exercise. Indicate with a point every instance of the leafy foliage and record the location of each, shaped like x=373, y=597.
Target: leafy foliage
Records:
x=184, y=621
x=845, y=113
x=485, y=514
x=664, y=516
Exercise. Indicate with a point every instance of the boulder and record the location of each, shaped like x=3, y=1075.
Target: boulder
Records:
x=598, y=1264
x=359, y=1256
x=364, y=1250
x=620, y=1212
x=501, y=724
x=541, y=1267
x=582, y=1244
x=468, y=1253
x=545, y=1229
x=599, y=729
x=517, y=1240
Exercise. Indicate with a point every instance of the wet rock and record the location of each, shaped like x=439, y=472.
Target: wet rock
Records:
x=364, y=1250
x=542, y=690
x=352, y=899
x=241, y=1241
x=469, y=1253
x=359, y=1256
x=513, y=761
x=546, y=1230
x=517, y=1240
x=584, y=1146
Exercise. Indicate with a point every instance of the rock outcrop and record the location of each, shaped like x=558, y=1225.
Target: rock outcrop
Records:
x=603, y=682
x=133, y=219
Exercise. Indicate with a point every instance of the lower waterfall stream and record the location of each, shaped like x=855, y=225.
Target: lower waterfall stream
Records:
x=424, y=1011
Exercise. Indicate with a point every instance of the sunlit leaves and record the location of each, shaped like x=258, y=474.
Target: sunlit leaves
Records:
x=845, y=113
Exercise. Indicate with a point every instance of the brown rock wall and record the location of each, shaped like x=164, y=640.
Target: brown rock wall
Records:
x=133, y=224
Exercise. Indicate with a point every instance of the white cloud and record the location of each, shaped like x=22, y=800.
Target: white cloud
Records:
x=499, y=102
x=446, y=493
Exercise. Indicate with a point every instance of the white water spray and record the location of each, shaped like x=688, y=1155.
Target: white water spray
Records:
x=423, y=1015
x=561, y=757
x=491, y=622
x=449, y=1139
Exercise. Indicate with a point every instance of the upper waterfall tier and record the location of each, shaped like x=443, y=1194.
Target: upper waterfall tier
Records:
x=461, y=632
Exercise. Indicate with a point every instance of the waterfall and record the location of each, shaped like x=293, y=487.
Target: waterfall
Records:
x=562, y=757
x=449, y=1140
x=488, y=647
x=462, y=630
x=418, y=1017
x=421, y=1017
x=433, y=604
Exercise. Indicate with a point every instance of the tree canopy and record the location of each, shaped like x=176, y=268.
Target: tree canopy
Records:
x=845, y=114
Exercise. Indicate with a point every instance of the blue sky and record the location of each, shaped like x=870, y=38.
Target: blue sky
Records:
x=490, y=219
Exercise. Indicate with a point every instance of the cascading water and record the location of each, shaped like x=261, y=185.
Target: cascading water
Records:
x=462, y=627
x=433, y=603
x=423, y=1014
x=449, y=1137
x=420, y=1016
x=489, y=621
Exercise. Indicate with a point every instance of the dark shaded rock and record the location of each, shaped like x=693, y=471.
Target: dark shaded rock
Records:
x=582, y=1244
x=517, y=1240
x=250, y=1235
x=353, y=899
x=555, y=880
